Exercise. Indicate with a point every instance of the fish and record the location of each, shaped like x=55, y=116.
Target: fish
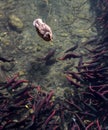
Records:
x=43, y=30
x=48, y=56
x=69, y=56
x=5, y=60
x=72, y=48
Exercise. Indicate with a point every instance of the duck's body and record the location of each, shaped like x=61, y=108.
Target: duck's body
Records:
x=43, y=29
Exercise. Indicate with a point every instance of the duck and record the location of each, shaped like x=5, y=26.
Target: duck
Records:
x=43, y=30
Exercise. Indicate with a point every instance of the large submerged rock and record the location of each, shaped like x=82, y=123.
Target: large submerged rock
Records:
x=15, y=23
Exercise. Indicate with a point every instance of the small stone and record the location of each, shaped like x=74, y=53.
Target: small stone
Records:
x=31, y=111
x=22, y=72
x=3, y=34
x=15, y=23
x=15, y=120
x=64, y=34
x=2, y=15
x=7, y=66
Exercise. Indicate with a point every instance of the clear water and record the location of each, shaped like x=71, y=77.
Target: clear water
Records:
x=71, y=22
